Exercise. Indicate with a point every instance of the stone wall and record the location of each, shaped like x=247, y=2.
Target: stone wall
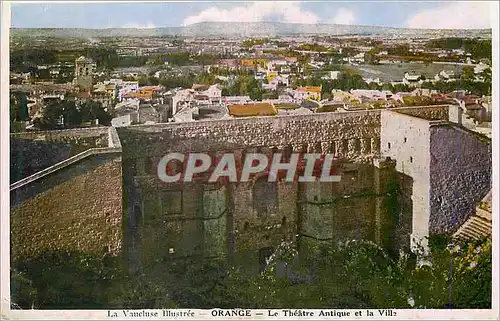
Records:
x=406, y=139
x=85, y=137
x=349, y=135
x=76, y=208
x=450, y=169
x=437, y=112
x=28, y=157
x=460, y=163
x=31, y=152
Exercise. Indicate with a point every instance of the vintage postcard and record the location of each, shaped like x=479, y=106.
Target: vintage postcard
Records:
x=249, y=160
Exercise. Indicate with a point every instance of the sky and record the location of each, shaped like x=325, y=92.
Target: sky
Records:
x=412, y=14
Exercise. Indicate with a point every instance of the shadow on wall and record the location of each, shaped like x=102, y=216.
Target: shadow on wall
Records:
x=28, y=157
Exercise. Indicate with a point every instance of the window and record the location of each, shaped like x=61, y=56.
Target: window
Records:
x=389, y=145
x=411, y=159
x=405, y=139
x=214, y=200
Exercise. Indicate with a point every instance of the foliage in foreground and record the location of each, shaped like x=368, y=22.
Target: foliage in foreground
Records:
x=354, y=274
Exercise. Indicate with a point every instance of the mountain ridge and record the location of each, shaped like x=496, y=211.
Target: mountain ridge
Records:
x=247, y=29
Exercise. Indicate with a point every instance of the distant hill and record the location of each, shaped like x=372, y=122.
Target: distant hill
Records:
x=247, y=29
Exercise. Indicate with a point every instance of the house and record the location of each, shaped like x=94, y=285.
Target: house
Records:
x=235, y=99
x=308, y=92
x=373, y=80
x=342, y=96
x=359, y=58
x=412, y=78
x=446, y=75
x=213, y=92
x=104, y=98
x=332, y=75
x=479, y=68
x=271, y=75
x=145, y=93
x=271, y=85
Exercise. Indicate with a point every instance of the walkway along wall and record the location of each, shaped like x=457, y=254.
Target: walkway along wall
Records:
x=73, y=205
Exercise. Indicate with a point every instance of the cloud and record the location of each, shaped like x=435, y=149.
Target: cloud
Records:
x=454, y=15
x=135, y=25
x=291, y=12
x=344, y=17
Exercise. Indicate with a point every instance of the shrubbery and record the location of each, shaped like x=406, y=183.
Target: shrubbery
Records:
x=355, y=274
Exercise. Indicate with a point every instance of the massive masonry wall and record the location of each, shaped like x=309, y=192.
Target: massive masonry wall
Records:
x=77, y=208
x=246, y=218
x=175, y=221
x=460, y=175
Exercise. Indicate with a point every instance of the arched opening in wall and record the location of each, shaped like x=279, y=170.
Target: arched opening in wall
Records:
x=389, y=145
x=405, y=139
x=265, y=196
x=333, y=150
x=283, y=221
x=246, y=226
x=345, y=146
x=264, y=254
x=357, y=145
x=368, y=145
x=411, y=159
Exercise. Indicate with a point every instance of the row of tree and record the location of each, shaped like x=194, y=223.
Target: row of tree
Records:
x=478, y=48
x=69, y=114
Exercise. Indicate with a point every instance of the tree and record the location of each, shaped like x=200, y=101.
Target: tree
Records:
x=468, y=74
x=255, y=94
x=18, y=107
x=92, y=110
x=205, y=78
x=351, y=274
